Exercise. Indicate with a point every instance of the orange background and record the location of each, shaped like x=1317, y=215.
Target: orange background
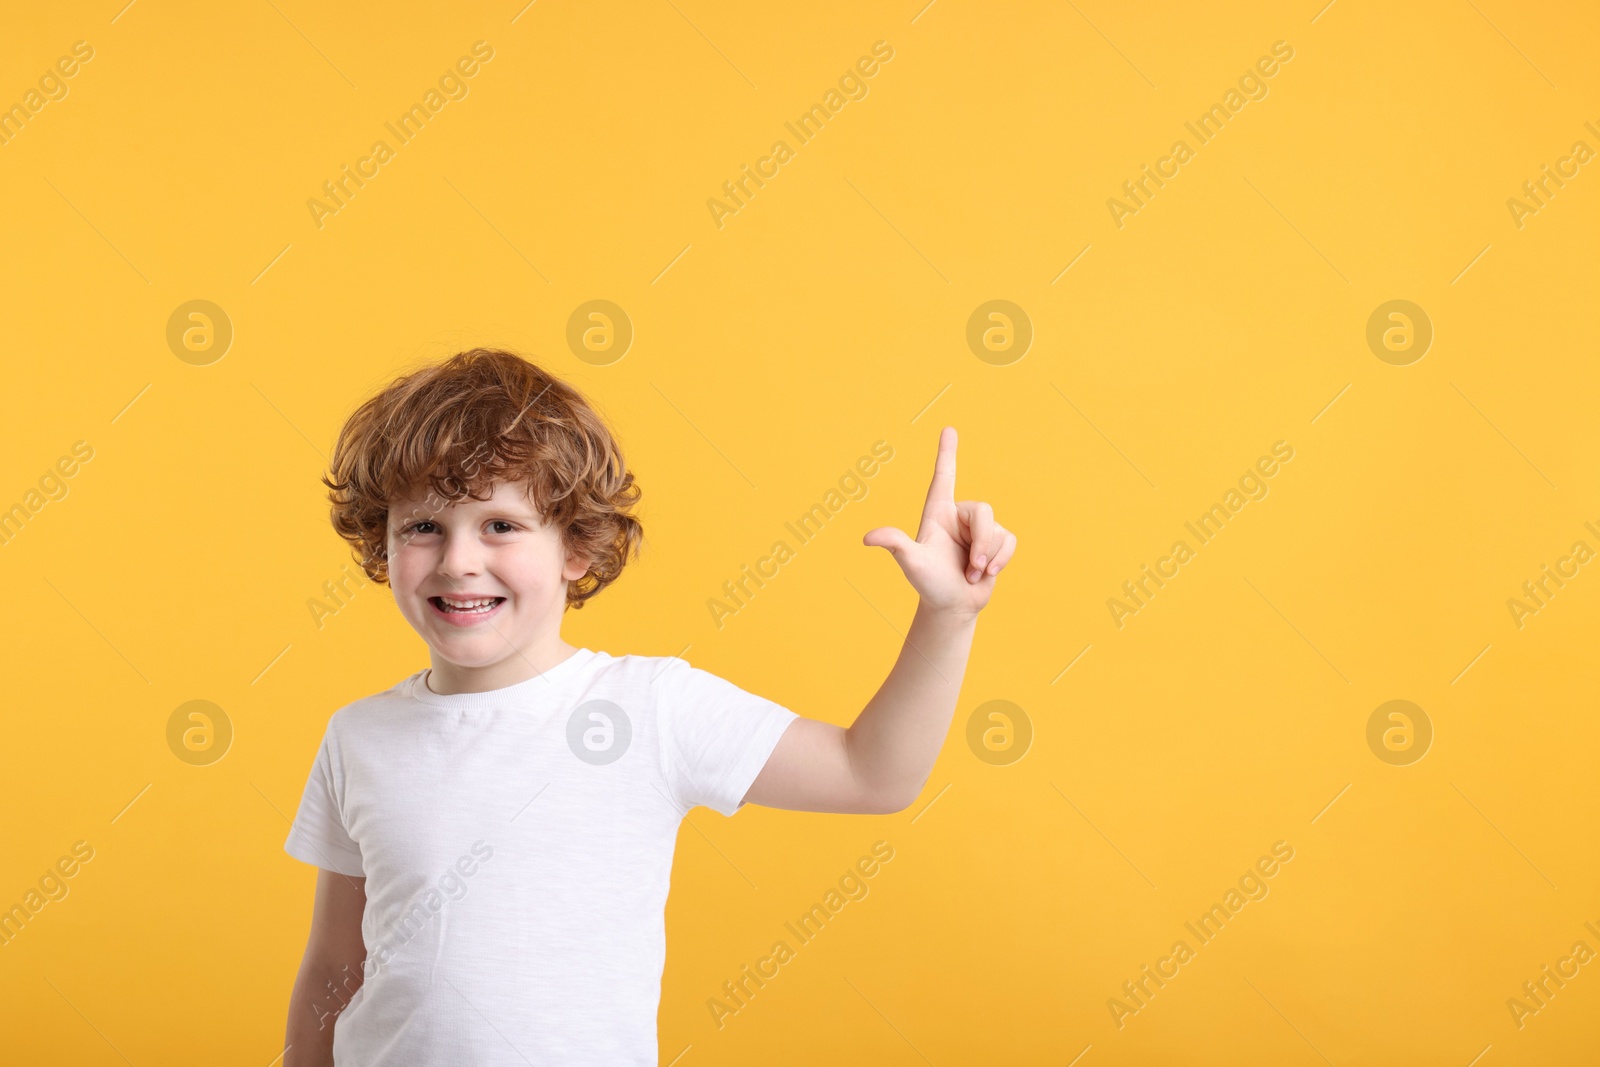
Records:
x=831, y=311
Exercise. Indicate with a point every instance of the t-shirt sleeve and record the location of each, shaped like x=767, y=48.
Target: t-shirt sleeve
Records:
x=318, y=835
x=715, y=737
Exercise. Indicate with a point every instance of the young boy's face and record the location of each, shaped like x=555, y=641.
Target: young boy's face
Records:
x=497, y=551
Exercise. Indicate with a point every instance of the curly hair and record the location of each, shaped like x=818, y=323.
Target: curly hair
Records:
x=480, y=417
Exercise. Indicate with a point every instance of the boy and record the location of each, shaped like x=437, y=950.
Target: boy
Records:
x=495, y=833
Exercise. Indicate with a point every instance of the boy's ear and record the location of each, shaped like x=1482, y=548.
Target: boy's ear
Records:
x=576, y=567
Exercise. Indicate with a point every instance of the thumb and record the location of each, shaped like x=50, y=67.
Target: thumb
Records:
x=889, y=537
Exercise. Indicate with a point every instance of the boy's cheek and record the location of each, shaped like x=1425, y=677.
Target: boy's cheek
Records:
x=406, y=570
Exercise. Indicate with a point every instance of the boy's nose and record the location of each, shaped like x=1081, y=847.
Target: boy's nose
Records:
x=462, y=557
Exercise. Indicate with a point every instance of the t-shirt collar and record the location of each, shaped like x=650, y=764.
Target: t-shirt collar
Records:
x=530, y=690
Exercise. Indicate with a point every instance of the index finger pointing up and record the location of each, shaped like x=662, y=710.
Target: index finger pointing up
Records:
x=943, y=487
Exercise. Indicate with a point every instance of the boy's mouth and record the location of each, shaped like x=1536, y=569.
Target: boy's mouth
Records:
x=465, y=612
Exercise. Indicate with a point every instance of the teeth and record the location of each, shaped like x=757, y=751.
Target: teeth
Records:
x=471, y=606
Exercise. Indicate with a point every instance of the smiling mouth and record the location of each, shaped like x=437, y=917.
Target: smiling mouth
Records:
x=465, y=609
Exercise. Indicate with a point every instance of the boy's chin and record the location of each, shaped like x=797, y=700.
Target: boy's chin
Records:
x=462, y=656
x=466, y=664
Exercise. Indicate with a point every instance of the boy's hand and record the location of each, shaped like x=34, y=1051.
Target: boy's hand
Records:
x=880, y=762
x=959, y=547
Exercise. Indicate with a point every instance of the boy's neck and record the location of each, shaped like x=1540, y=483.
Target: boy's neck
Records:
x=445, y=678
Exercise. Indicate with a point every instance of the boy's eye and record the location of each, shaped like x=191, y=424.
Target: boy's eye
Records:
x=417, y=527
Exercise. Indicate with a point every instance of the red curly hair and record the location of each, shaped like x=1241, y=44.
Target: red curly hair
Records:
x=480, y=417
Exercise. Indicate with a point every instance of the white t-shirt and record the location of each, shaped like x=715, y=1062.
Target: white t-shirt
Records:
x=517, y=846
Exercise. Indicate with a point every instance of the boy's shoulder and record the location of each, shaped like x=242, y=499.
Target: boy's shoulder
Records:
x=382, y=701
x=633, y=667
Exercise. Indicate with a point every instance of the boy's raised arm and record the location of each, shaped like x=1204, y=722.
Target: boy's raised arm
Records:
x=881, y=762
